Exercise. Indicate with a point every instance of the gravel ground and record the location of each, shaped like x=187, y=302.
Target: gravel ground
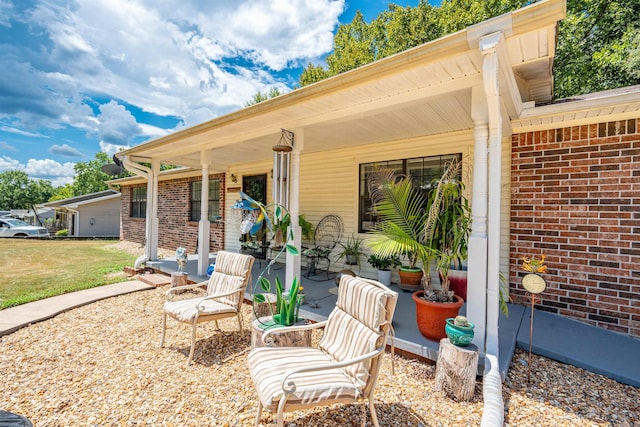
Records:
x=100, y=365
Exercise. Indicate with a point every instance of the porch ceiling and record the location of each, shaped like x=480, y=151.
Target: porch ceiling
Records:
x=423, y=91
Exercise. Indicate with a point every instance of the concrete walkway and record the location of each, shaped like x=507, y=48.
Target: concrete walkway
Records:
x=14, y=318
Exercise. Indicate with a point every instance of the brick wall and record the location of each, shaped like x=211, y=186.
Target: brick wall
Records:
x=174, y=225
x=576, y=199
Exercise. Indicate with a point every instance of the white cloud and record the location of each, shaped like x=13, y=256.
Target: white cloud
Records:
x=116, y=124
x=5, y=146
x=8, y=164
x=5, y=13
x=183, y=59
x=20, y=132
x=49, y=168
x=111, y=149
x=65, y=150
x=175, y=56
x=59, y=174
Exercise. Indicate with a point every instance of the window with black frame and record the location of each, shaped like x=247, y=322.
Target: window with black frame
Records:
x=139, y=202
x=214, y=200
x=422, y=170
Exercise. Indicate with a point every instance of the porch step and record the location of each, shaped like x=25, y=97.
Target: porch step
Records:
x=155, y=279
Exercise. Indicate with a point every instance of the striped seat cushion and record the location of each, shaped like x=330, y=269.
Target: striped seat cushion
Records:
x=221, y=283
x=365, y=303
x=268, y=366
x=186, y=310
x=231, y=272
x=353, y=327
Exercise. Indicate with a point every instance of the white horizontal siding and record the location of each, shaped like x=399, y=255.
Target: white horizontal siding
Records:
x=329, y=184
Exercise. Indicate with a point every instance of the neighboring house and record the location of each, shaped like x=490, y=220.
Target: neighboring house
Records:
x=37, y=218
x=544, y=177
x=89, y=215
x=179, y=202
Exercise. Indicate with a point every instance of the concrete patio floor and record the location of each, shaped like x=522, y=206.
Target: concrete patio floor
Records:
x=597, y=350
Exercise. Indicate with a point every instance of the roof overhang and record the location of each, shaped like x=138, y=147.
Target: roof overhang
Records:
x=610, y=105
x=422, y=91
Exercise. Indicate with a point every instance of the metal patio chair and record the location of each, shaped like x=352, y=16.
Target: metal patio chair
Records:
x=225, y=293
x=345, y=367
x=327, y=234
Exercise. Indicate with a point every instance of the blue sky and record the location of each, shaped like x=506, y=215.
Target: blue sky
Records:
x=82, y=76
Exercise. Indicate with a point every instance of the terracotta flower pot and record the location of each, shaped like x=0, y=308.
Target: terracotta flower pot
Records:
x=410, y=279
x=432, y=316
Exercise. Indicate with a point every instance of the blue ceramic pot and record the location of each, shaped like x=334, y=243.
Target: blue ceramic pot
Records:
x=457, y=334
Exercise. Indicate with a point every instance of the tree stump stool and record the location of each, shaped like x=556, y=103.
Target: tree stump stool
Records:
x=456, y=370
x=285, y=339
x=264, y=309
x=178, y=279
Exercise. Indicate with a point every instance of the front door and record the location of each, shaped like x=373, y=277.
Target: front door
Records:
x=255, y=186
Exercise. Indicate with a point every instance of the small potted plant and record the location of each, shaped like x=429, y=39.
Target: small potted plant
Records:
x=352, y=250
x=384, y=266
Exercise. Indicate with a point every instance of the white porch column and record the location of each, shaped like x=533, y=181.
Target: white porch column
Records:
x=152, y=211
x=490, y=67
x=477, y=262
x=293, y=262
x=204, y=236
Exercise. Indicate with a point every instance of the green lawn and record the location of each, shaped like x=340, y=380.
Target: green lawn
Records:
x=35, y=269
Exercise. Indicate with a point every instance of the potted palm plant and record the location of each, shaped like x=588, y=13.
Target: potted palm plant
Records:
x=406, y=225
x=384, y=266
x=450, y=236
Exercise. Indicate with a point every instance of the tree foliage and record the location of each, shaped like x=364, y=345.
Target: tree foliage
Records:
x=598, y=47
x=598, y=44
x=260, y=96
x=18, y=191
x=399, y=28
x=89, y=177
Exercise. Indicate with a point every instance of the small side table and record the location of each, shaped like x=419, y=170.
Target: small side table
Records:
x=285, y=339
x=456, y=370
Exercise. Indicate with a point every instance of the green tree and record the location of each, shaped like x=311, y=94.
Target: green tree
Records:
x=89, y=176
x=597, y=47
x=62, y=192
x=18, y=191
x=312, y=74
x=400, y=28
x=259, y=97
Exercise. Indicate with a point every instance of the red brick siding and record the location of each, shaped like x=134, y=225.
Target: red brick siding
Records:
x=175, y=228
x=576, y=199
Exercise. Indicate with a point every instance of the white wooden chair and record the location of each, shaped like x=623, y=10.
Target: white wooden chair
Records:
x=225, y=293
x=345, y=367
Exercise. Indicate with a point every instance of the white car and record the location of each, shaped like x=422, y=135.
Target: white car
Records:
x=11, y=227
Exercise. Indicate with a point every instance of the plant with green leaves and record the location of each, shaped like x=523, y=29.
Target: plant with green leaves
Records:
x=405, y=226
x=352, y=250
x=287, y=303
x=383, y=263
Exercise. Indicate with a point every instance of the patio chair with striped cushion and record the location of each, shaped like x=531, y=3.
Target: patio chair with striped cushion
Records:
x=225, y=293
x=344, y=369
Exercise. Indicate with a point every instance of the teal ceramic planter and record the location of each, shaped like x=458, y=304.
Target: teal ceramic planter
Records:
x=458, y=334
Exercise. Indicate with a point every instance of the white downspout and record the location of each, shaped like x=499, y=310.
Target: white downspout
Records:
x=493, y=411
x=148, y=174
x=490, y=77
x=477, y=263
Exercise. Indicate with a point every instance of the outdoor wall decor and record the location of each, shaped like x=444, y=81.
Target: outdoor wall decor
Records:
x=534, y=284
